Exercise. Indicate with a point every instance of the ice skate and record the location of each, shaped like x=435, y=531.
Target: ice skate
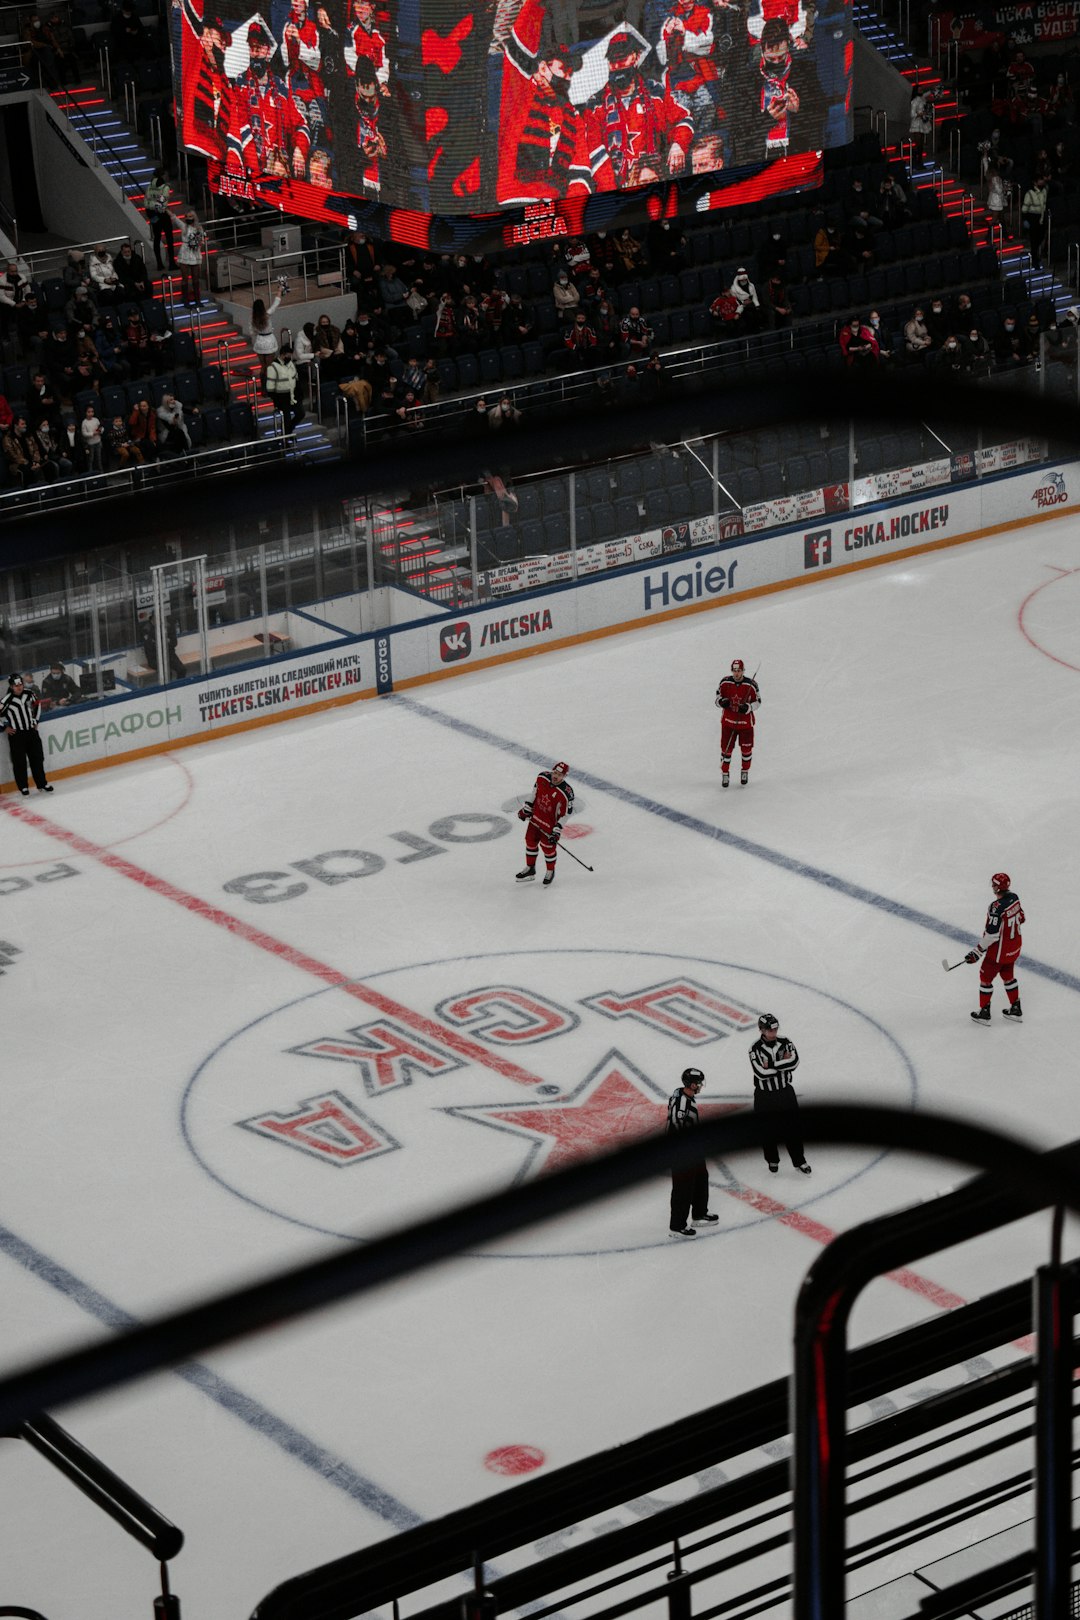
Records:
x=681, y=1231
x=725, y=779
x=982, y=1016
x=526, y=873
x=804, y=1168
x=706, y=1220
x=549, y=877
x=744, y=777
x=1013, y=1012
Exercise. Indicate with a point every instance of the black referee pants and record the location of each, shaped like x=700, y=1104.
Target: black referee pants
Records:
x=689, y=1190
x=783, y=1107
x=26, y=750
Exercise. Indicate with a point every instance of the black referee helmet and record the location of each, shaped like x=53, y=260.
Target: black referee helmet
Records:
x=693, y=1077
x=768, y=1021
x=15, y=676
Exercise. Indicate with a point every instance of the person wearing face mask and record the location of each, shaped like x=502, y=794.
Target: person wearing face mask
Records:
x=39, y=56
x=1011, y=347
x=540, y=128
x=156, y=204
x=949, y=361
x=633, y=135
x=748, y=313
x=268, y=134
x=206, y=88
x=976, y=353
x=189, y=257
x=938, y=323
x=566, y=297
x=787, y=103
x=370, y=142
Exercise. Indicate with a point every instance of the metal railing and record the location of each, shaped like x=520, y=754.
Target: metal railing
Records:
x=101, y=146
x=264, y=265
x=45, y=262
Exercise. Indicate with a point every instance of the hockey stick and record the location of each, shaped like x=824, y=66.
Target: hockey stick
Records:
x=948, y=966
x=574, y=857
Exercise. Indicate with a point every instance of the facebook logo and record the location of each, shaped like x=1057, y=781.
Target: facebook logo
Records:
x=455, y=641
x=817, y=548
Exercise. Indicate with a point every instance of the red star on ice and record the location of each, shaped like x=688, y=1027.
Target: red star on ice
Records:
x=613, y=1105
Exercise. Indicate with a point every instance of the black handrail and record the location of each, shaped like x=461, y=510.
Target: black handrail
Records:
x=132, y=1512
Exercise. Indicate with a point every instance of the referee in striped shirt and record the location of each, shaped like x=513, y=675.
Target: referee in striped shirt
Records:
x=690, y=1186
x=19, y=718
x=774, y=1060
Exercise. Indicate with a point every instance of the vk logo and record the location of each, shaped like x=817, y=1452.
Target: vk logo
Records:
x=455, y=641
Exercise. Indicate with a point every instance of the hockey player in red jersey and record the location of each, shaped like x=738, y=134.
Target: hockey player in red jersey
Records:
x=999, y=948
x=739, y=697
x=552, y=800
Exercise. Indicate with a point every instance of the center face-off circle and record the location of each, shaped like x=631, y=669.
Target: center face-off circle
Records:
x=474, y=1072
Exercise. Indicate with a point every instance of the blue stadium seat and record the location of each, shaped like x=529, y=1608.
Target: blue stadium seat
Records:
x=136, y=391
x=818, y=466
x=448, y=376
x=583, y=526
x=532, y=537
x=680, y=326
x=749, y=486
x=513, y=363
x=557, y=532
x=603, y=523
x=211, y=383
x=670, y=292
x=488, y=362
x=533, y=355
x=553, y=496
x=468, y=372
x=186, y=388
x=797, y=474
x=114, y=401
x=216, y=424
x=539, y=281
x=627, y=518
x=16, y=383
x=869, y=458
x=241, y=421
x=649, y=296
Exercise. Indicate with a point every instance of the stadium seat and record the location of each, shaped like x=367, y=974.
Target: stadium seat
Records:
x=557, y=532
x=16, y=383
x=797, y=474
x=513, y=363
x=628, y=519
x=507, y=545
x=869, y=458
x=670, y=292
x=488, y=362
x=114, y=401
x=468, y=372
x=136, y=391
x=54, y=293
x=448, y=376
x=583, y=526
x=532, y=536
x=186, y=388
x=533, y=355
x=603, y=523
x=680, y=327
x=839, y=464
x=818, y=467
x=215, y=423
x=772, y=481
x=553, y=496
x=649, y=296
x=749, y=486
x=211, y=383
x=241, y=421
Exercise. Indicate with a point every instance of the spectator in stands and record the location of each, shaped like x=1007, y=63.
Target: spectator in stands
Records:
x=470, y=325
x=492, y=310
x=432, y=387
x=962, y=314
x=408, y=411
x=39, y=55
x=120, y=448
x=393, y=294
x=189, y=258
x=75, y=272
x=772, y=258
x=576, y=257
x=778, y=310
x=606, y=257
x=976, y=352
x=1012, y=348
x=1034, y=330
x=282, y=381
x=520, y=321
x=504, y=415
x=357, y=390
x=884, y=338
x=58, y=361
x=81, y=308
x=566, y=298
x=41, y=400
x=304, y=347
x=581, y=343
x=261, y=334
x=73, y=445
x=891, y=204
x=56, y=463
x=631, y=253
x=652, y=379
x=383, y=379
x=132, y=273
x=142, y=428
x=1019, y=71
x=608, y=328
x=327, y=339
x=361, y=265
x=137, y=351
x=110, y=348
x=858, y=244
x=938, y=322
x=917, y=337
x=7, y=416
x=58, y=690
x=417, y=300
x=637, y=334
x=173, y=433
x=949, y=361
x=921, y=119
x=412, y=375
x=1059, y=110
x=997, y=189
x=156, y=206
x=859, y=345
x=668, y=249
x=127, y=37
x=103, y=277
x=1033, y=217
x=446, y=341
x=858, y=203
x=22, y=454
x=744, y=292
x=822, y=239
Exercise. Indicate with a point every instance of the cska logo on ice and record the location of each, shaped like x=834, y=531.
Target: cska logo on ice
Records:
x=1052, y=492
x=365, y=1104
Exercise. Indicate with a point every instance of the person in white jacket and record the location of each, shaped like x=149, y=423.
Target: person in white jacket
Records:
x=262, y=335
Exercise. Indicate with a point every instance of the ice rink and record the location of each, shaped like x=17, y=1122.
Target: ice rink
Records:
x=276, y=992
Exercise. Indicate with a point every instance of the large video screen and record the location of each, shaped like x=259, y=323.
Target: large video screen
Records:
x=519, y=109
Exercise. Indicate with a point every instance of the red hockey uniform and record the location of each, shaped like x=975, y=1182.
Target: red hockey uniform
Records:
x=370, y=43
x=999, y=948
x=738, y=696
x=552, y=800
x=541, y=132
x=206, y=88
x=369, y=142
x=300, y=49
x=265, y=127
x=629, y=135
x=688, y=41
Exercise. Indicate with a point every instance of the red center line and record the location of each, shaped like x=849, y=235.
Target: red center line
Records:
x=944, y=1298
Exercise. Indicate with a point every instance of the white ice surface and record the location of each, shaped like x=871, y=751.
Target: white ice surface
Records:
x=918, y=732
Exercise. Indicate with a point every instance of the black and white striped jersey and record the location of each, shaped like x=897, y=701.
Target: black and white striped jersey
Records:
x=682, y=1114
x=773, y=1063
x=20, y=710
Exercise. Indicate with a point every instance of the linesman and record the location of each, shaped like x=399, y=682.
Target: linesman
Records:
x=774, y=1060
x=19, y=718
x=689, y=1185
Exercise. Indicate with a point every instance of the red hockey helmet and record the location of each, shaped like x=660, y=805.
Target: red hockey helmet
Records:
x=561, y=765
x=737, y=666
x=1001, y=882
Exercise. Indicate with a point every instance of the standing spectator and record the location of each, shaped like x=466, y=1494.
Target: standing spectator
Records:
x=39, y=54
x=281, y=381
x=637, y=334
x=581, y=342
x=566, y=297
x=552, y=800
x=446, y=327
x=744, y=292
x=127, y=37
x=263, y=338
x=773, y=1059
x=173, y=433
x=19, y=717
x=631, y=253
x=690, y=1183
x=739, y=696
x=189, y=258
x=1000, y=948
x=921, y=119
x=58, y=690
x=156, y=205
x=1033, y=217
x=997, y=189
x=778, y=308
